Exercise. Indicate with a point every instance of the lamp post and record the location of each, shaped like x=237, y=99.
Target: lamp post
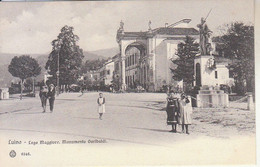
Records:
x=58, y=73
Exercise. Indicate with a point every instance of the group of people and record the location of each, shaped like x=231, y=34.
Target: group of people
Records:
x=47, y=92
x=178, y=108
x=178, y=111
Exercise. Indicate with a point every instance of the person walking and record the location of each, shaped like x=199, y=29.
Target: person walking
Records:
x=101, y=105
x=43, y=96
x=51, y=96
x=185, y=113
x=172, y=111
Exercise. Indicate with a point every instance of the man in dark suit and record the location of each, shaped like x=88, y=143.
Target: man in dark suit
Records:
x=51, y=96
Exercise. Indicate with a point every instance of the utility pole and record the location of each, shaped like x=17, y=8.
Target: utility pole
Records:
x=58, y=71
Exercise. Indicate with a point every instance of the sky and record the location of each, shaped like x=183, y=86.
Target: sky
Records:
x=29, y=27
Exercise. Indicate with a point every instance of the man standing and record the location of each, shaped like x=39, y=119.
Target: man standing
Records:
x=51, y=96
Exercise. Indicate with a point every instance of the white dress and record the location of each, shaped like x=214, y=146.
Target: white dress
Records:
x=101, y=105
x=185, y=113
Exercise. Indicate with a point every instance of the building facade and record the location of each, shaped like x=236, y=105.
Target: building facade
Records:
x=145, y=57
x=106, y=73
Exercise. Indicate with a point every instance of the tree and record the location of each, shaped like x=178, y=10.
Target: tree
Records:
x=92, y=65
x=238, y=45
x=67, y=55
x=24, y=67
x=186, y=53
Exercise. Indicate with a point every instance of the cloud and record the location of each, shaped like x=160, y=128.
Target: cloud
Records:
x=31, y=27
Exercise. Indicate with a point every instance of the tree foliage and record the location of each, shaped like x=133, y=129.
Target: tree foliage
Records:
x=92, y=65
x=238, y=45
x=186, y=53
x=70, y=56
x=24, y=67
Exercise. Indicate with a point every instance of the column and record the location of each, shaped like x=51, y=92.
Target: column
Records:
x=151, y=63
x=123, y=86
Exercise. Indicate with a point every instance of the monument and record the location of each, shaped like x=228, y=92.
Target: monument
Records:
x=208, y=74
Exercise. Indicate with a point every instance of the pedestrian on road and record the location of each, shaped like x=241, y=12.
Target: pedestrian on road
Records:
x=101, y=105
x=172, y=111
x=43, y=96
x=185, y=113
x=51, y=96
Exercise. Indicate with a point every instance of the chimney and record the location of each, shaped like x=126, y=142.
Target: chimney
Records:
x=166, y=25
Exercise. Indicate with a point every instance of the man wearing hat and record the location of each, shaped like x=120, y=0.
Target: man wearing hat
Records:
x=51, y=96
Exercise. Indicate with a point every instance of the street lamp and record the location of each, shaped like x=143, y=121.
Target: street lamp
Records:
x=58, y=71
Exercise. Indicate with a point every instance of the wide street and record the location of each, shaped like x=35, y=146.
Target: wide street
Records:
x=133, y=130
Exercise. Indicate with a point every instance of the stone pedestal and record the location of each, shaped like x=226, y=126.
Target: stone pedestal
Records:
x=209, y=97
x=4, y=93
x=250, y=103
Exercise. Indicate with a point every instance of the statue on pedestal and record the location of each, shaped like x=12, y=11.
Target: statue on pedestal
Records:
x=205, y=32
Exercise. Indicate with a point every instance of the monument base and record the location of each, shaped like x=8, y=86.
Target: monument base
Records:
x=209, y=97
x=4, y=93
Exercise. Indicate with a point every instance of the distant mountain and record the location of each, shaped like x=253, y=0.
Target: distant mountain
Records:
x=88, y=55
x=107, y=52
x=5, y=59
x=5, y=77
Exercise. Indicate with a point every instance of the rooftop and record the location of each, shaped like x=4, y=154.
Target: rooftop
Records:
x=164, y=31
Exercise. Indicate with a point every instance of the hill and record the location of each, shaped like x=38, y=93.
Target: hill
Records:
x=5, y=59
x=107, y=52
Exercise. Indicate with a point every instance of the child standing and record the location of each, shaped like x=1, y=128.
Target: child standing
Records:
x=185, y=113
x=101, y=105
x=172, y=111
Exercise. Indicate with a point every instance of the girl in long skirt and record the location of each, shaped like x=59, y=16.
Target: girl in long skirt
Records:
x=172, y=110
x=101, y=105
x=185, y=113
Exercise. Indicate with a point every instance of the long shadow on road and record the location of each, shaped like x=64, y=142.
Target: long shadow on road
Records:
x=87, y=118
x=143, y=107
x=155, y=130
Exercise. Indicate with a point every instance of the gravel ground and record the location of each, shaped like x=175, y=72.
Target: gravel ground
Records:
x=134, y=127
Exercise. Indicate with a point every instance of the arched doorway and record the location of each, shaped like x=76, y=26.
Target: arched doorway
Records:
x=134, y=54
x=198, y=75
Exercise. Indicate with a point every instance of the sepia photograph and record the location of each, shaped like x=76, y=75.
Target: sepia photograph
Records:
x=123, y=83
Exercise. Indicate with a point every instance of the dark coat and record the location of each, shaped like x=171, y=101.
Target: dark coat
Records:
x=51, y=93
x=172, y=109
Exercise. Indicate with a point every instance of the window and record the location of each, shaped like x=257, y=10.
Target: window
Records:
x=216, y=74
x=108, y=72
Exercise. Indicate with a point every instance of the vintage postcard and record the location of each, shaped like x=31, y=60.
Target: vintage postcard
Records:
x=122, y=83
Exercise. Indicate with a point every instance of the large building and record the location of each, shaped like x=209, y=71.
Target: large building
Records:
x=106, y=73
x=145, y=57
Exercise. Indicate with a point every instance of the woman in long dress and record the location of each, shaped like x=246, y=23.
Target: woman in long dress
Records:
x=185, y=113
x=43, y=95
x=172, y=110
x=101, y=105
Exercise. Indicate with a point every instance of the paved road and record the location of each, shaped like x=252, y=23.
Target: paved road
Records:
x=133, y=122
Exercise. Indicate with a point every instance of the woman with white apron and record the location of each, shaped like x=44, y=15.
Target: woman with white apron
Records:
x=185, y=113
x=101, y=105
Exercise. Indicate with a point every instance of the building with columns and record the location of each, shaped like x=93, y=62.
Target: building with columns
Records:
x=145, y=57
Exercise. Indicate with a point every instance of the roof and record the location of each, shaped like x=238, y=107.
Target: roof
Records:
x=136, y=34
x=176, y=31
x=164, y=31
